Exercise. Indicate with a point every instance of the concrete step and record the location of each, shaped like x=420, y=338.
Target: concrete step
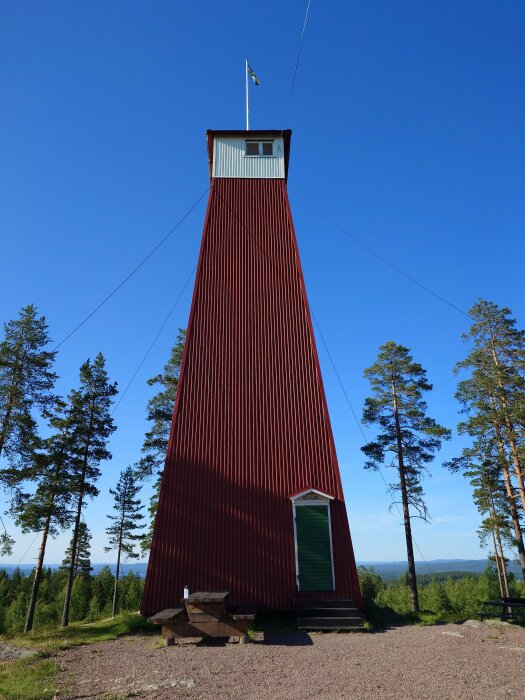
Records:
x=302, y=604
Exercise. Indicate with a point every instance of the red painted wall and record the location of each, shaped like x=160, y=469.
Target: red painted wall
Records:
x=250, y=425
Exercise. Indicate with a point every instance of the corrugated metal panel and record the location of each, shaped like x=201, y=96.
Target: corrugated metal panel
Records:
x=250, y=424
x=229, y=159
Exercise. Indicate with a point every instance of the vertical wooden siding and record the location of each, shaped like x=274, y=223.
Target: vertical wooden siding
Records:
x=250, y=424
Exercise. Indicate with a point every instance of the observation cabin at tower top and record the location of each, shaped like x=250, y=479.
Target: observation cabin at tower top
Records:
x=253, y=154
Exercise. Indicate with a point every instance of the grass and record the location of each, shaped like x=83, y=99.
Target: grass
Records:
x=28, y=679
x=35, y=678
x=378, y=617
x=54, y=639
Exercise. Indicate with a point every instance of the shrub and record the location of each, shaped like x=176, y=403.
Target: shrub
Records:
x=370, y=582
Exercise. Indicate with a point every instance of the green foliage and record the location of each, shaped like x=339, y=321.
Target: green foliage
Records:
x=493, y=401
x=145, y=542
x=398, y=408
x=81, y=597
x=123, y=534
x=371, y=583
x=30, y=679
x=160, y=411
x=82, y=559
x=91, y=598
x=92, y=425
x=16, y=613
x=26, y=382
x=130, y=591
x=6, y=544
x=89, y=419
x=102, y=593
x=407, y=438
x=442, y=597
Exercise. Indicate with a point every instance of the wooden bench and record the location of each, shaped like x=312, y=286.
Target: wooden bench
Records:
x=166, y=616
x=246, y=612
x=205, y=614
x=510, y=608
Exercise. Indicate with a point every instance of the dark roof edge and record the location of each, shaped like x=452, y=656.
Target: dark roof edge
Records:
x=251, y=132
x=285, y=133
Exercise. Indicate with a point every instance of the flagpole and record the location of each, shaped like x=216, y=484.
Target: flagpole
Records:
x=247, y=106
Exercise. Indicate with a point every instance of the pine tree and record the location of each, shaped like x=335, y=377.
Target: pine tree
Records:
x=122, y=532
x=82, y=560
x=398, y=408
x=499, y=352
x=26, y=380
x=160, y=413
x=493, y=399
x=92, y=426
x=480, y=463
x=145, y=542
x=47, y=508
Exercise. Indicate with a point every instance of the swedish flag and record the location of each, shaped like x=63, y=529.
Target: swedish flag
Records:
x=255, y=78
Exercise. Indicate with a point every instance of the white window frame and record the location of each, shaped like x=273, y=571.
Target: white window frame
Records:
x=320, y=499
x=259, y=143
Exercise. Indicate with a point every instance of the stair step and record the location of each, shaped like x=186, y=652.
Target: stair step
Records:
x=328, y=612
x=334, y=622
x=300, y=605
x=316, y=628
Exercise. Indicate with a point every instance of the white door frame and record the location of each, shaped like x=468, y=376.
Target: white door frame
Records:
x=312, y=497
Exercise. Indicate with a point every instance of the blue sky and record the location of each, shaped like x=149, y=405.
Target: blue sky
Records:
x=407, y=123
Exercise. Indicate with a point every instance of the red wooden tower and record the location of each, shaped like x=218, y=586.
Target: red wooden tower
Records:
x=251, y=498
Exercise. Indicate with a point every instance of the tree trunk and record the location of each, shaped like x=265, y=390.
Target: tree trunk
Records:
x=498, y=548
x=5, y=424
x=503, y=563
x=38, y=575
x=9, y=407
x=121, y=529
x=115, y=590
x=74, y=543
x=516, y=461
x=412, y=581
x=497, y=560
x=71, y=570
x=514, y=515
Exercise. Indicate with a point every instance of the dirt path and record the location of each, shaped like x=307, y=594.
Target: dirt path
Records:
x=446, y=662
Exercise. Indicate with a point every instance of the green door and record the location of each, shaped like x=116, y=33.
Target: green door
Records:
x=314, y=553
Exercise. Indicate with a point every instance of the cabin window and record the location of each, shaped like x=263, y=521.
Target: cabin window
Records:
x=259, y=148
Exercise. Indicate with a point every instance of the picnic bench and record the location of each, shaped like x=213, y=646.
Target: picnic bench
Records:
x=509, y=609
x=205, y=614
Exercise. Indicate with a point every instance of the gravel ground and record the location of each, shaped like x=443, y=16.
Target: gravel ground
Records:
x=443, y=662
